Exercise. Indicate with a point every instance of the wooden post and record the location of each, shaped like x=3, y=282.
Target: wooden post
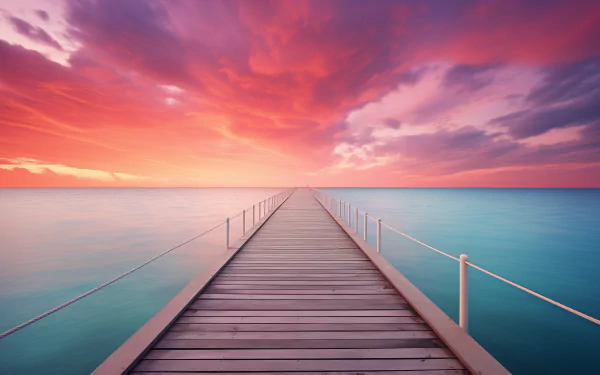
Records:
x=379, y=235
x=227, y=234
x=463, y=302
x=244, y=222
x=356, y=221
x=365, y=231
x=253, y=215
x=349, y=215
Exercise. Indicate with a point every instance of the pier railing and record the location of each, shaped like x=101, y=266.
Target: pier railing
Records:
x=252, y=214
x=344, y=211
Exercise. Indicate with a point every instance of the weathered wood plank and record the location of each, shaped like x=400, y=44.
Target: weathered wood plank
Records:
x=272, y=313
x=307, y=327
x=412, y=353
x=341, y=288
x=296, y=274
x=300, y=319
x=372, y=304
x=300, y=365
x=287, y=261
x=305, y=271
x=417, y=372
x=358, y=335
x=297, y=344
x=230, y=296
x=297, y=292
x=333, y=277
x=306, y=283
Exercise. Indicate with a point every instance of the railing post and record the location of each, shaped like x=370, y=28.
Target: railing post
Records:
x=365, y=231
x=463, y=314
x=349, y=215
x=356, y=220
x=379, y=235
x=227, y=234
x=259, y=210
x=244, y=222
x=253, y=215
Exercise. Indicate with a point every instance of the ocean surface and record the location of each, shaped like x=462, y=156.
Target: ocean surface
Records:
x=58, y=243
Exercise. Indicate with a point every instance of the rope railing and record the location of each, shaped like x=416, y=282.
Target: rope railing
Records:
x=272, y=202
x=333, y=203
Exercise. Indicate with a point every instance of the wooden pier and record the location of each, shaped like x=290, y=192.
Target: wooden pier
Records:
x=300, y=292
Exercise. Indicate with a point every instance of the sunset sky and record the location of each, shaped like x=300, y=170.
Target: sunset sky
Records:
x=278, y=93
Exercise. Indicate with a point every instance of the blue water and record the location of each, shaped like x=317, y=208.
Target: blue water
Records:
x=58, y=243
x=545, y=239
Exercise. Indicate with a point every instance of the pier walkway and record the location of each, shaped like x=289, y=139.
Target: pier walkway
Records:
x=301, y=293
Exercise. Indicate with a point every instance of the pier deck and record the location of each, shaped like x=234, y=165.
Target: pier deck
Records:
x=303, y=295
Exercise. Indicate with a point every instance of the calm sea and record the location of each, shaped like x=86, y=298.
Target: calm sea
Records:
x=58, y=243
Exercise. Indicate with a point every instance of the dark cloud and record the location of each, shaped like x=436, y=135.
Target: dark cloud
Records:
x=34, y=33
x=469, y=77
x=467, y=148
x=567, y=82
x=134, y=34
x=392, y=123
x=569, y=95
x=42, y=14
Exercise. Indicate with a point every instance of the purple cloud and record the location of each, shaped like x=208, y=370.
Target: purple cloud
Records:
x=34, y=33
x=568, y=96
x=42, y=14
x=135, y=34
x=469, y=77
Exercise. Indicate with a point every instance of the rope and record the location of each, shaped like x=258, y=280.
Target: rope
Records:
x=62, y=306
x=419, y=242
x=551, y=301
x=567, y=308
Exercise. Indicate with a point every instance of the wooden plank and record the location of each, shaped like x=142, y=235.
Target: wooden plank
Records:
x=302, y=268
x=287, y=261
x=342, y=288
x=219, y=290
x=300, y=365
x=302, y=276
x=220, y=278
x=307, y=327
x=300, y=258
x=417, y=372
x=273, y=313
x=373, y=304
x=300, y=319
x=297, y=344
x=358, y=335
x=231, y=296
x=227, y=354
x=279, y=270
x=304, y=283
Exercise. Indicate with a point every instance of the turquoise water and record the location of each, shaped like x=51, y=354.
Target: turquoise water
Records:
x=58, y=243
x=545, y=239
